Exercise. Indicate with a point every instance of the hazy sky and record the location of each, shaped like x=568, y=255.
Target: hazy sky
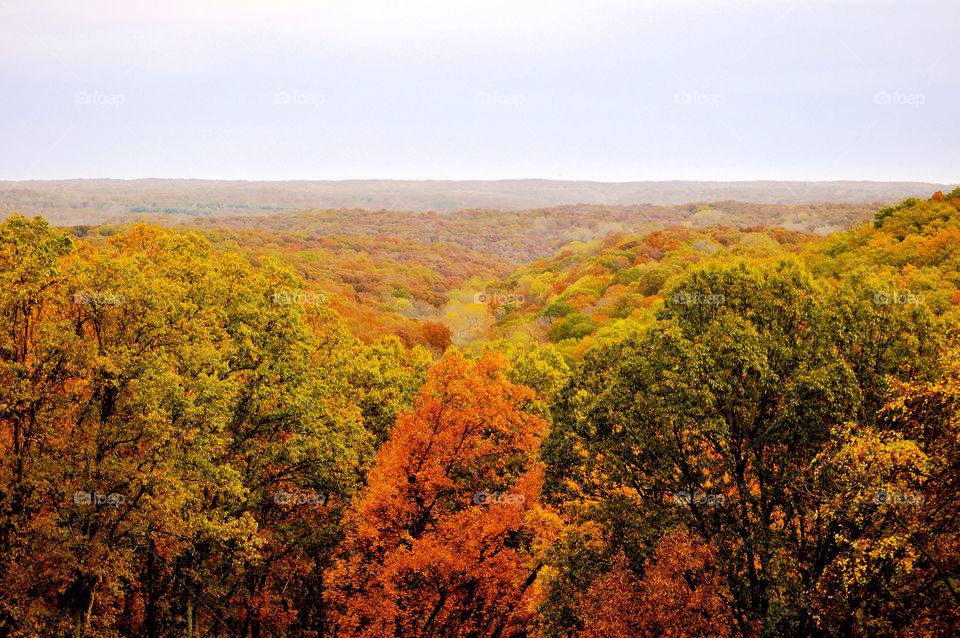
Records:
x=492, y=89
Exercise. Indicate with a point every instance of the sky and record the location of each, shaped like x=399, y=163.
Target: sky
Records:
x=602, y=90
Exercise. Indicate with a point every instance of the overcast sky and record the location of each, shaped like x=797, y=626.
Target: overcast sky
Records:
x=610, y=90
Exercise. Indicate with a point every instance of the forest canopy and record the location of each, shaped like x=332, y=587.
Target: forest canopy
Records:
x=708, y=430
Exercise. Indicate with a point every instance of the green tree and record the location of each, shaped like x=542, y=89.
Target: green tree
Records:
x=732, y=394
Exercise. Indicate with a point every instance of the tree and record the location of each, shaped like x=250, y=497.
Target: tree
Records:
x=153, y=398
x=437, y=335
x=898, y=573
x=442, y=541
x=732, y=395
x=388, y=377
x=680, y=594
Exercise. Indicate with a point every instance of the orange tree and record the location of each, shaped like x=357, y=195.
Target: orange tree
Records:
x=443, y=541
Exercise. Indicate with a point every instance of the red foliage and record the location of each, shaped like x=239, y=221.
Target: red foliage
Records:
x=679, y=595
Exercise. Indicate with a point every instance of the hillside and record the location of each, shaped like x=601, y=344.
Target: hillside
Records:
x=72, y=202
x=392, y=272
x=607, y=287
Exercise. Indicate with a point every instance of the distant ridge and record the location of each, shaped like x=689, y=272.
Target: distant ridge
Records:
x=90, y=201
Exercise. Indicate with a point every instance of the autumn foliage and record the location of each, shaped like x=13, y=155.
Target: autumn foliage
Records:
x=680, y=595
x=424, y=554
x=709, y=431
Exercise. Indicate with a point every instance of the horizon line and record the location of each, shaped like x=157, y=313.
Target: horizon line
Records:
x=487, y=180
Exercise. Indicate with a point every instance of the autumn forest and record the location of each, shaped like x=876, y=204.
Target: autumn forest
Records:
x=606, y=421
